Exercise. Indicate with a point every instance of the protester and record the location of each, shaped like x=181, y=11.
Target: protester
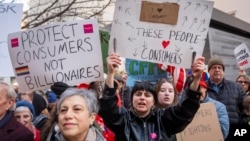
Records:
x=10, y=128
x=133, y=123
x=77, y=109
x=166, y=94
x=245, y=118
x=227, y=92
x=58, y=88
x=107, y=134
x=123, y=89
x=50, y=127
x=220, y=109
x=244, y=81
x=52, y=99
x=24, y=114
x=40, y=107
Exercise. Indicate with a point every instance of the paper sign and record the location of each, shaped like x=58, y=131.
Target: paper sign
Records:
x=67, y=52
x=141, y=70
x=241, y=53
x=159, y=12
x=161, y=43
x=10, y=15
x=205, y=126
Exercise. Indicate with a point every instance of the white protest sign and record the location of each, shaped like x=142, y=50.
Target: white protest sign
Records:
x=10, y=16
x=172, y=44
x=67, y=52
x=241, y=53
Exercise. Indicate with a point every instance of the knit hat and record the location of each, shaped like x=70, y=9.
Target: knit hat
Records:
x=39, y=103
x=27, y=104
x=203, y=84
x=58, y=88
x=52, y=97
x=83, y=86
x=215, y=61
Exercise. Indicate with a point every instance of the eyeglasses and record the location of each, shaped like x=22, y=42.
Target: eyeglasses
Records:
x=241, y=82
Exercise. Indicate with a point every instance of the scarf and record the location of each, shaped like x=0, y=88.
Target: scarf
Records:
x=92, y=135
x=5, y=119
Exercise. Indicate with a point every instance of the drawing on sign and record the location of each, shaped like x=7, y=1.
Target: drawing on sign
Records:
x=159, y=42
x=56, y=53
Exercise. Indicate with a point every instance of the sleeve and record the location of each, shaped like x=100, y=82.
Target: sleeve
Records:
x=176, y=118
x=223, y=119
x=111, y=113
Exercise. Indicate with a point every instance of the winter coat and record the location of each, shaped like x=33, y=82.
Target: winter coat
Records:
x=231, y=95
x=15, y=131
x=159, y=125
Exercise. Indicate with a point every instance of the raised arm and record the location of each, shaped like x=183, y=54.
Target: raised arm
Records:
x=113, y=61
x=176, y=118
x=197, y=70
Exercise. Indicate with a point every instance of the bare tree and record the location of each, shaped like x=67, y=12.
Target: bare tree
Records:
x=48, y=11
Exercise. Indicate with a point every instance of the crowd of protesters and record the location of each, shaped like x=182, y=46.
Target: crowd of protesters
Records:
x=112, y=111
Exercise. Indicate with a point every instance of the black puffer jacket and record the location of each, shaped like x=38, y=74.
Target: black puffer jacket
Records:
x=231, y=95
x=161, y=124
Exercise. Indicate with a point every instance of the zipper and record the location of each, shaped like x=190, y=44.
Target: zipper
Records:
x=145, y=131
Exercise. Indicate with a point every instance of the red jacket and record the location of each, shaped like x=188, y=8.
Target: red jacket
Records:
x=15, y=131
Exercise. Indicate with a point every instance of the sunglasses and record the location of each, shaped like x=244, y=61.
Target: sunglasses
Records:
x=241, y=82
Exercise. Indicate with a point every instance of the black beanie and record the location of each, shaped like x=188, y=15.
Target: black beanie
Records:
x=58, y=88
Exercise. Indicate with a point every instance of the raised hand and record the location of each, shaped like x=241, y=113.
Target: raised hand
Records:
x=113, y=61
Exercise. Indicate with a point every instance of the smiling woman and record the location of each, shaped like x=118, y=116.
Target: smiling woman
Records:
x=77, y=111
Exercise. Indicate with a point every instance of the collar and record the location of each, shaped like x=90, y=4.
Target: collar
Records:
x=214, y=84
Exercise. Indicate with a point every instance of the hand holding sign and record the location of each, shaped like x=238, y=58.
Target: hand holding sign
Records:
x=198, y=67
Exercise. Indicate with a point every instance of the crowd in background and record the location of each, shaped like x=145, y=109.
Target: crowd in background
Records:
x=111, y=110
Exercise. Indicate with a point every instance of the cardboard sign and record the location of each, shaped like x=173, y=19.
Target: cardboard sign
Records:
x=242, y=53
x=159, y=12
x=161, y=43
x=67, y=52
x=205, y=126
x=10, y=16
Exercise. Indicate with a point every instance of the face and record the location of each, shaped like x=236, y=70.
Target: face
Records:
x=243, y=83
x=216, y=73
x=125, y=76
x=74, y=118
x=5, y=102
x=166, y=95
x=143, y=102
x=24, y=117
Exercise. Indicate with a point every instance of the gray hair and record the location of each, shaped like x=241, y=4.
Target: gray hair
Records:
x=23, y=108
x=88, y=95
x=11, y=94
